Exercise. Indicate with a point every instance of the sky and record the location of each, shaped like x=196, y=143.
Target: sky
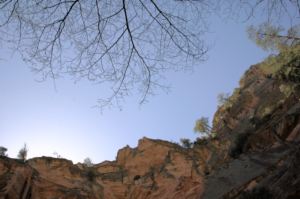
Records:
x=65, y=121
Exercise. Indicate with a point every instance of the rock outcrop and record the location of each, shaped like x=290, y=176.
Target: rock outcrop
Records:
x=256, y=153
x=155, y=169
x=258, y=130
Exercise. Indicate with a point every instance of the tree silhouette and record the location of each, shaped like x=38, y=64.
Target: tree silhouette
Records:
x=3, y=151
x=271, y=11
x=125, y=45
x=22, y=155
x=88, y=162
x=185, y=142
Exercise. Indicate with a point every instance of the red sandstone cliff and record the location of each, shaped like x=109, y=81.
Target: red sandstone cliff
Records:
x=155, y=169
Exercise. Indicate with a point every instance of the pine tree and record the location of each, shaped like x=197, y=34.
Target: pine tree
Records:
x=270, y=37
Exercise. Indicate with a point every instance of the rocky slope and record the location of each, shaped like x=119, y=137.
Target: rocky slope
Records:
x=254, y=155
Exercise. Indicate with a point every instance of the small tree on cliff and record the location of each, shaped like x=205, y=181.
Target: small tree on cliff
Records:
x=3, y=151
x=222, y=98
x=88, y=162
x=202, y=126
x=22, y=155
x=185, y=142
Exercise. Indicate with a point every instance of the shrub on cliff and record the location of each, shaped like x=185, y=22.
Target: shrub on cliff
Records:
x=222, y=98
x=202, y=126
x=88, y=162
x=3, y=151
x=186, y=143
x=201, y=141
x=283, y=66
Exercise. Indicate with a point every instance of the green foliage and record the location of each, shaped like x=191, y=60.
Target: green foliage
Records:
x=201, y=141
x=269, y=37
x=88, y=162
x=185, y=142
x=223, y=98
x=267, y=109
x=265, y=36
x=22, y=155
x=3, y=151
x=238, y=144
x=270, y=66
x=286, y=63
x=287, y=89
x=202, y=126
x=232, y=99
x=213, y=135
x=290, y=71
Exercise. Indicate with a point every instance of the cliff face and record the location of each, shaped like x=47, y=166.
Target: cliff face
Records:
x=258, y=130
x=155, y=169
x=255, y=154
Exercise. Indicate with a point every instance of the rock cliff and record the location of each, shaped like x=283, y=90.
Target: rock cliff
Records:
x=155, y=169
x=256, y=153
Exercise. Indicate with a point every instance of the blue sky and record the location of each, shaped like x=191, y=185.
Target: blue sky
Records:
x=64, y=120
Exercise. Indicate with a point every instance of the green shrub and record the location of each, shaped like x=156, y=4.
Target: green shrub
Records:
x=201, y=141
x=232, y=99
x=186, y=143
x=3, y=151
x=266, y=111
x=202, y=126
x=222, y=98
x=281, y=63
x=286, y=89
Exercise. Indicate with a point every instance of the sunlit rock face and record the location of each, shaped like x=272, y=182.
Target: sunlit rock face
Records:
x=155, y=169
x=255, y=154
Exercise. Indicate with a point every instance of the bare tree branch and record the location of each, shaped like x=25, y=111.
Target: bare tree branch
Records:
x=127, y=45
x=271, y=11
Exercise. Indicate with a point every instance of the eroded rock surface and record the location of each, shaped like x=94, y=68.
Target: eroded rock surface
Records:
x=155, y=169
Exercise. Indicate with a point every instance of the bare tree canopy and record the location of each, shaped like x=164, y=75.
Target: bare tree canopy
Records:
x=126, y=44
x=271, y=11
